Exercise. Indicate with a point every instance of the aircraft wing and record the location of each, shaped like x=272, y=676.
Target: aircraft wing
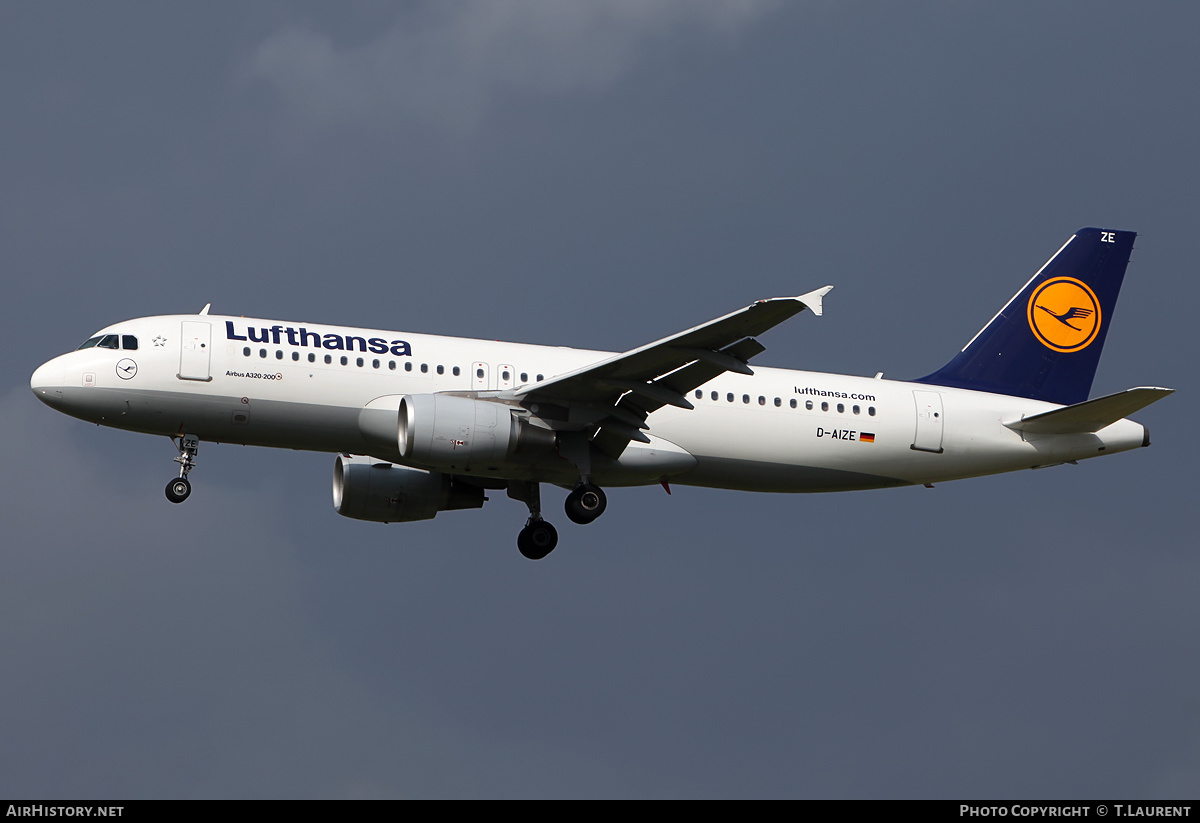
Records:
x=625, y=388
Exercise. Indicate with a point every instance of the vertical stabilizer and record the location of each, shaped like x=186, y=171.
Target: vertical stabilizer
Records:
x=1045, y=343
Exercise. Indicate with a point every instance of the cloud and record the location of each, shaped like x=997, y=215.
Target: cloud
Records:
x=450, y=67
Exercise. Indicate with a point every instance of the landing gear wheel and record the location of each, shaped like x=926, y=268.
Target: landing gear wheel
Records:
x=585, y=503
x=178, y=490
x=537, y=539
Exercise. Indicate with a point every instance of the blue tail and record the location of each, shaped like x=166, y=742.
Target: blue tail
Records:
x=1045, y=343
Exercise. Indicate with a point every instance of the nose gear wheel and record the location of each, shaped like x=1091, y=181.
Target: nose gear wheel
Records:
x=178, y=489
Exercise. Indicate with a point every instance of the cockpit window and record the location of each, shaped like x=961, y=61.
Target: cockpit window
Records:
x=109, y=341
x=87, y=344
x=128, y=341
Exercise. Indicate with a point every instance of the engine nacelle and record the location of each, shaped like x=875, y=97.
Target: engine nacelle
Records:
x=368, y=489
x=461, y=434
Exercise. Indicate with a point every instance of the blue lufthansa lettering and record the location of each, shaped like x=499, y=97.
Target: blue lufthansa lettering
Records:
x=303, y=338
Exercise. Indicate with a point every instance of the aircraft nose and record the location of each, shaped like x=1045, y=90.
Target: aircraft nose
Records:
x=47, y=381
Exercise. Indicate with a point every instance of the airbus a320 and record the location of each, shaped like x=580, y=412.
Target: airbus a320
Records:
x=424, y=424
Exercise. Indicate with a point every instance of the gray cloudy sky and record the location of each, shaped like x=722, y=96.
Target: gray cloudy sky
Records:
x=597, y=174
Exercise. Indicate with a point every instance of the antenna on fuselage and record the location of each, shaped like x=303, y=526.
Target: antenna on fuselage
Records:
x=204, y=310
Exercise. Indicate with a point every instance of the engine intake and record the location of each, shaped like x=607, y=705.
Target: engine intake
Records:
x=368, y=489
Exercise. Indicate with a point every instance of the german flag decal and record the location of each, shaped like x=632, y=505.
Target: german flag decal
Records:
x=866, y=437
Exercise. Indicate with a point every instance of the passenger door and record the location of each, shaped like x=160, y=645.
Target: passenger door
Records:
x=195, y=350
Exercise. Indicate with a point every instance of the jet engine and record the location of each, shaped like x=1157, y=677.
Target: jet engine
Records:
x=368, y=489
x=465, y=435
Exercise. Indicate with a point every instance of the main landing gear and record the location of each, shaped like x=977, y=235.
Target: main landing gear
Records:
x=538, y=538
x=585, y=503
x=179, y=488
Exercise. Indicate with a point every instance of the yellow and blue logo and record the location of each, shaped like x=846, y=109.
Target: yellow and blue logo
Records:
x=1064, y=314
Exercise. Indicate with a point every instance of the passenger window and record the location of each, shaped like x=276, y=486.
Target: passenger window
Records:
x=442, y=370
x=762, y=401
x=279, y=354
x=792, y=402
x=128, y=341
x=539, y=378
x=504, y=375
x=778, y=402
x=424, y=368
x=109, y=341
x=479, y=373
x=745, y=398
x=715, y=396
x=457, y=371
x=871, y=410
x=729, y=397
x=856, y=410
x=262, y=352
x=841, y=407
x=699, y=394
x=824, y=406
x=392, y=365
x=374, y=364
x=408, y=366
x=524, y=376
x=345, y=360
x=246, y=351
x=312, y=358
x=358, y=362
x=328, y=359
x=295, y=355
x=87, y=344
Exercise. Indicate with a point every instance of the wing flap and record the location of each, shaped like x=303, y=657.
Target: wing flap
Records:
x=636, y=383
x=612, y=439
x=1090, y=415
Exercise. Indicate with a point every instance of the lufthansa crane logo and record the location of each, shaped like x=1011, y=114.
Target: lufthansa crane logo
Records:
x=1064, y=314
x=126, y=369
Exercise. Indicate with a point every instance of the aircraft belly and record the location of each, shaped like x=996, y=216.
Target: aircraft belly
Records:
x=756, y=476
x=784, y=451
x=221, y=419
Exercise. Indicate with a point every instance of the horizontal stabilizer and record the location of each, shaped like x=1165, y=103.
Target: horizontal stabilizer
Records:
x=1090, y=415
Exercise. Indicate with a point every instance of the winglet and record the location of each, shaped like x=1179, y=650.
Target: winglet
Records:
x=813, y=299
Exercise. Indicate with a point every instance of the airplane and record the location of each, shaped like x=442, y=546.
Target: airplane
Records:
x=424, y=424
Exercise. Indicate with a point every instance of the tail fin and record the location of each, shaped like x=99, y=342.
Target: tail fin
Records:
x=1045, y=343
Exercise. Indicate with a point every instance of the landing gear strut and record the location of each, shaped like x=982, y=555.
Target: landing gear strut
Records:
x=585, y=503
x=538, y=538
x=179, y=488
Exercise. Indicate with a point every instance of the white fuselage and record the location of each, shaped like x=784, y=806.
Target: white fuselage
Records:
x=305, y=386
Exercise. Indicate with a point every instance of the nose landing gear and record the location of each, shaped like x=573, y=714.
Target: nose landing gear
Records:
x=178, y=489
